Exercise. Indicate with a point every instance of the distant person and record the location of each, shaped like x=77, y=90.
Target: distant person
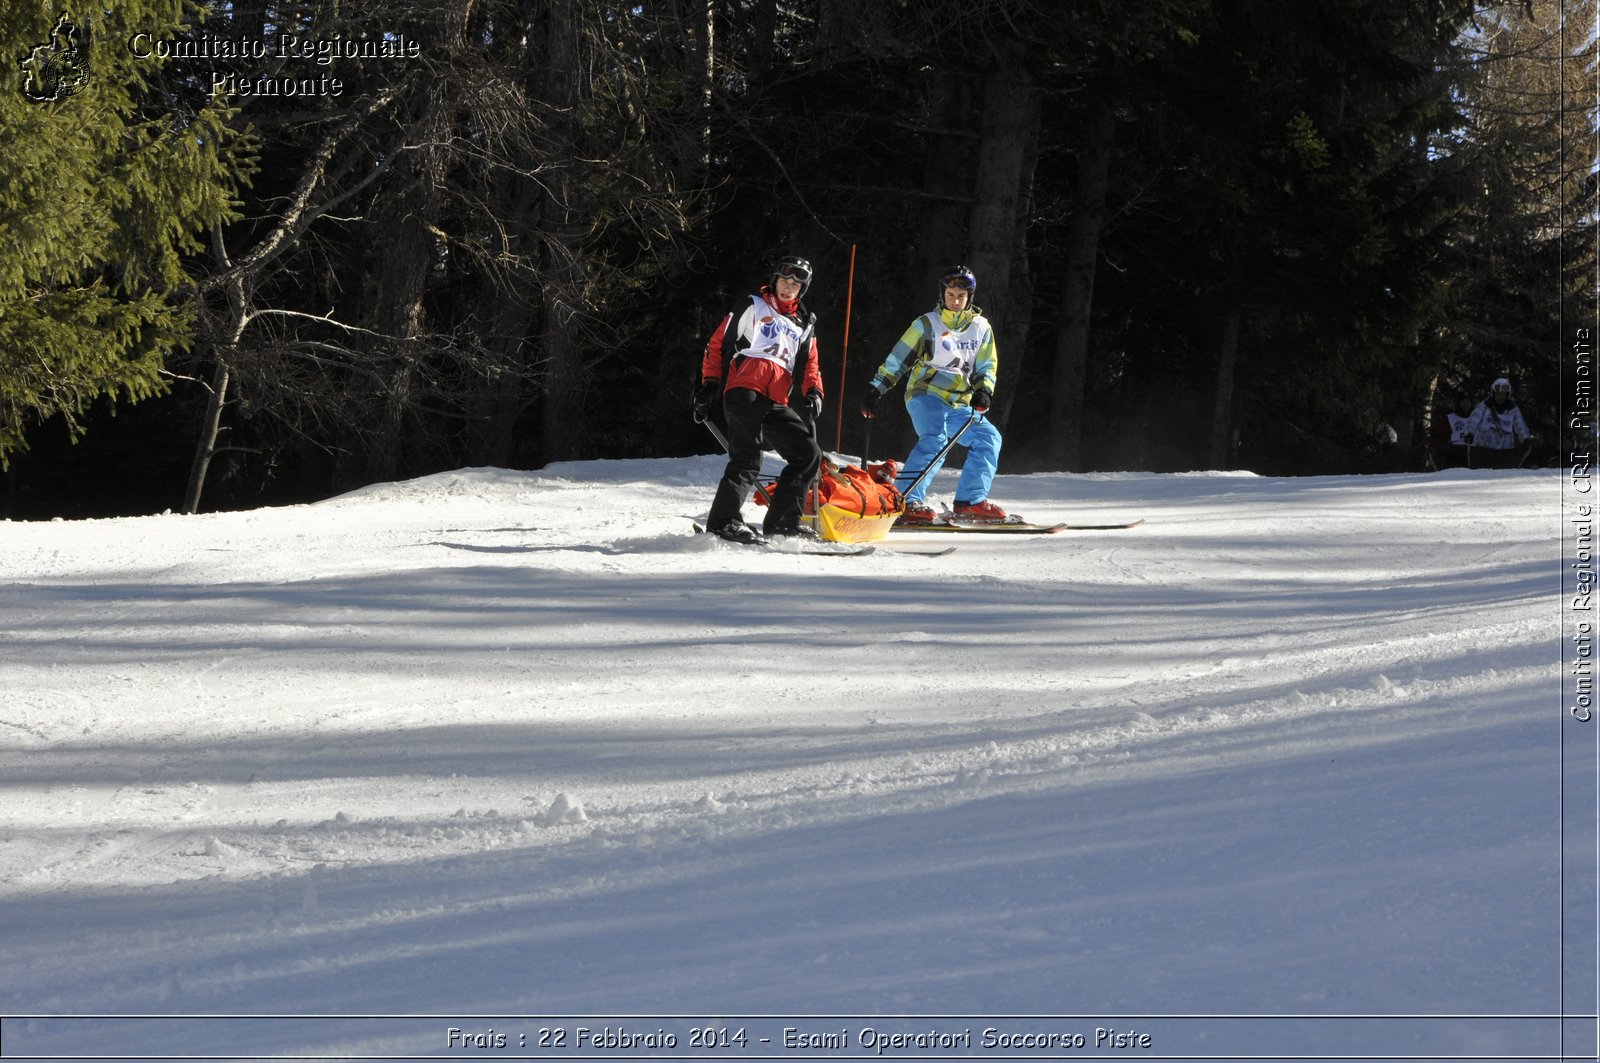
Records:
x=1496, y=429
x=950, y=355
x=1438, y=433
x=1454, y=452
x=753, y=361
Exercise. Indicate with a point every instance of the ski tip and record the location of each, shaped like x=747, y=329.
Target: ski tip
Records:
x=823, y=549
x=1104, y=527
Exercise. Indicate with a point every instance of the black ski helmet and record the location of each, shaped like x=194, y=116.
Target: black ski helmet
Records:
x=958, y=277
x=796, y=269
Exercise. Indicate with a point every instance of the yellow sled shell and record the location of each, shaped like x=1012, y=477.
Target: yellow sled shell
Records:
x=841, y=526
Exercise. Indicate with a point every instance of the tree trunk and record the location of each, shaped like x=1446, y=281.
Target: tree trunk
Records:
x=500, y=393
x=699, y=19
x=1221, y=455
x=1430, y=407
x=764, y=31
x=221, y=378
x=1077, y=296
x=833, y=24
x=206, y=448
x=563, y=434
x=997, y=194
x=410, y=251
x=1016, y=308
x=941, y=227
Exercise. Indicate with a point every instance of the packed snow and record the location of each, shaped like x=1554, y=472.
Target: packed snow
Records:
x=498, y=764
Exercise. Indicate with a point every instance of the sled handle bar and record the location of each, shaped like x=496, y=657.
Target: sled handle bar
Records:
x=933, y=462
x=761, y=492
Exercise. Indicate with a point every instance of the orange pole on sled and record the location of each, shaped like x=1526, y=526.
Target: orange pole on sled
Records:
x=844, y=351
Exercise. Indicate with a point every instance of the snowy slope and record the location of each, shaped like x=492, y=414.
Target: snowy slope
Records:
x=516, y=744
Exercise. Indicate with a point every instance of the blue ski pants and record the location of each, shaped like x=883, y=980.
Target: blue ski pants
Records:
x=936, y=421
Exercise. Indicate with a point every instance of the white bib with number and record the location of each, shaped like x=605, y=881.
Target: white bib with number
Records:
x=949, y=351
x=773, y=336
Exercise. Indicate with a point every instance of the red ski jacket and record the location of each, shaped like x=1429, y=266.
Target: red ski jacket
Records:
x=762, y=375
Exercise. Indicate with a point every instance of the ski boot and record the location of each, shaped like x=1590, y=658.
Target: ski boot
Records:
x=980, y=512
x=918, y=513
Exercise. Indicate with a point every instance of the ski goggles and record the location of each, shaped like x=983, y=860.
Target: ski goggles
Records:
x=964, y=281
x=795, y=272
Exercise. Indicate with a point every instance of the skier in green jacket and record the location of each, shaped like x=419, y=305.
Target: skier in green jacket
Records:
x=950, y=355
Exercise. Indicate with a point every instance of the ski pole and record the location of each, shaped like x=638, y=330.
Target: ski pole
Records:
x=813, y=497
x=933, y=463
x=761, y=492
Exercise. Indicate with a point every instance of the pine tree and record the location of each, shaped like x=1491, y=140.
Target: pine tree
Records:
x=1286, y=247
x=1527, y=148
x=109, y=175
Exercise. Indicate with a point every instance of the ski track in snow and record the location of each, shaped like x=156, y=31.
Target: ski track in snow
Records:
x=309, y=759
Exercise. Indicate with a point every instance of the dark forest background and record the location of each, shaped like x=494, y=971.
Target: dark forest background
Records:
x=1210, y=233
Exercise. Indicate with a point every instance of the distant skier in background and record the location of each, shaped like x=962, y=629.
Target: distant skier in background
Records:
x=950, y=355
x=753, y=361
x=1496, y=429
x=1460, y=420
x=1449, y=441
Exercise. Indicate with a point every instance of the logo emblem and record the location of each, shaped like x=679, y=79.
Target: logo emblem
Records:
x=56, y=69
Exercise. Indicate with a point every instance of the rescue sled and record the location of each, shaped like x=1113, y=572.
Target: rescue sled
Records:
x=850, y=504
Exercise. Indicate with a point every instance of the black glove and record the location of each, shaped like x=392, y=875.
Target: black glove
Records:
x=869, y=402
x=981, y=400
x=704, y=396
x=811, y=406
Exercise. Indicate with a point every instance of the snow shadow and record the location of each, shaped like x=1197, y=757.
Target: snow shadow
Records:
x=1295, y=883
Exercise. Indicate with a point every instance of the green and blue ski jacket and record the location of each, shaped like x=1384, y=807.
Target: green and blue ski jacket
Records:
x=949, y=353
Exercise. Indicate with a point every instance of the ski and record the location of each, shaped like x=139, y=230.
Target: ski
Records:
x=1104, y=527
x=1008, y=528
x=831, y=549
x=802, y=546
x=1012, y=527
x=819, y=550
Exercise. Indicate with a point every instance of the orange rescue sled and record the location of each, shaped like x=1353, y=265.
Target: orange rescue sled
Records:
x=851, y=504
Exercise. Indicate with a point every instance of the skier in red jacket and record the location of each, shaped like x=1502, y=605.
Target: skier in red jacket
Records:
x=754, y=360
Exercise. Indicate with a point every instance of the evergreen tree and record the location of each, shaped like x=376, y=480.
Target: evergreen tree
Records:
x=107, y=180
x=1287, y=245
x=442, y=265
x=1526, y=151
x=1192, y=218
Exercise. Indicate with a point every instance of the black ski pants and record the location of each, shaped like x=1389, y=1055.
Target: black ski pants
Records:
x=754, y=420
